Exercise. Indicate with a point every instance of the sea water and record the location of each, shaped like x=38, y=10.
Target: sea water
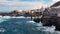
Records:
x=24, y=25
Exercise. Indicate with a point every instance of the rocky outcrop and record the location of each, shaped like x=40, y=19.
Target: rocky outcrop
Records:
x=37, y=20
x=53, y=19
x=51, y=16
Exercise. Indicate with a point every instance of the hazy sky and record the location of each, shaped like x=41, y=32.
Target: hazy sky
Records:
x=10, y=5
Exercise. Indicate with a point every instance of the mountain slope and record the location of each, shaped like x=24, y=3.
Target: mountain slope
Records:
x=56, y=4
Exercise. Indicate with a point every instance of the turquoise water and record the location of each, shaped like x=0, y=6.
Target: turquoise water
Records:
x=24, y=26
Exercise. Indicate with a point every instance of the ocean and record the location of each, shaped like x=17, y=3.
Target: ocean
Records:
x=24, y=25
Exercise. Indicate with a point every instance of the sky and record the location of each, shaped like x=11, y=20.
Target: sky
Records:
x=10, y=5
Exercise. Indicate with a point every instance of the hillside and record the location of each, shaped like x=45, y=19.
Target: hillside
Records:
x=56, y=4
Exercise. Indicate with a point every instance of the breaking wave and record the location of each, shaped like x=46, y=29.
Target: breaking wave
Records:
x=11, y=17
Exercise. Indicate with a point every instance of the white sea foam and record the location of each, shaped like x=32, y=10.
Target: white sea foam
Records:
x=0, y=16
x=2, y=30
x=18, y=17
x=39, y=24
x=30, y=22
x=2, y=19
x=12, y=17
x=6, y=17
x=50, y=29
